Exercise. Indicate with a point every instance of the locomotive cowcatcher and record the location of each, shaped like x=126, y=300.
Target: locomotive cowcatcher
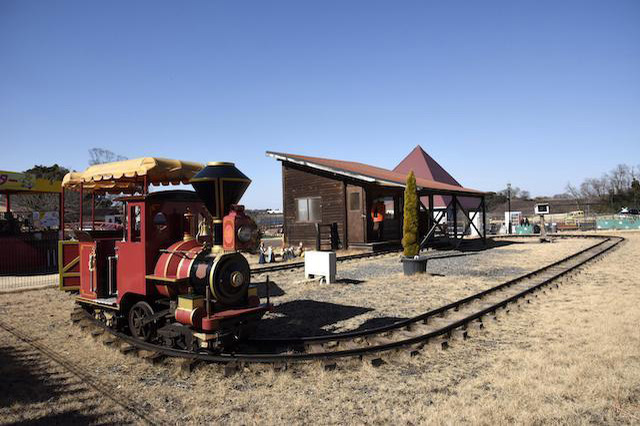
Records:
x=174, y=273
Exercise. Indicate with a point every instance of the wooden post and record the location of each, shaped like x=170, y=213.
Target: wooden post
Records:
x=81, y=199
x=93, y=210
x=455, y=217
x=484, y=222
x=8, y=202
x=61, y=217
x=318, y=242
x=432, y=217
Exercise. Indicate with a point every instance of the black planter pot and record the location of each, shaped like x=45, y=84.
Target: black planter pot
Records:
x=412, y=266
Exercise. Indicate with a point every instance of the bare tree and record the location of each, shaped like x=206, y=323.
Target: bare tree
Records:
x=620, y=178
x=575, y=194
x=594, y=188
x=100, y=156
x=515, y=193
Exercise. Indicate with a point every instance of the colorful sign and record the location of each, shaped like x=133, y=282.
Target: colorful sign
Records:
x=44, y=220
x=24, y=182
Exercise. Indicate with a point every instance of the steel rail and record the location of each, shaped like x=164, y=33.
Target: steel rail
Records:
x=420, y=339
x=294, y=265
x=84, y=377
x=407, y=322
x=284, y=267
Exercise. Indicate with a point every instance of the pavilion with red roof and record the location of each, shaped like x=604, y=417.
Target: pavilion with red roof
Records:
x=345, y=196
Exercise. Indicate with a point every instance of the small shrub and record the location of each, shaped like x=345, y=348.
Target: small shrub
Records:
x=410, y=225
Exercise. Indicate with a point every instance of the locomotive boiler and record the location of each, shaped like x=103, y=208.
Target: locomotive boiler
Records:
x=174, y=275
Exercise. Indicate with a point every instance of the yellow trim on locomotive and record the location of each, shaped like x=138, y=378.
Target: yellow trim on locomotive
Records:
x=190, y=301
x=62, y=269
x=253, y=291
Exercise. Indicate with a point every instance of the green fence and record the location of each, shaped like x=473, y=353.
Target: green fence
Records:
x=618, y=222
x=523, y=229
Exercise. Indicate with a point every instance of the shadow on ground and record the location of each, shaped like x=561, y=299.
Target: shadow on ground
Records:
x=474, y=245
x=306, y=318
x=274, y=289
x=27, y=380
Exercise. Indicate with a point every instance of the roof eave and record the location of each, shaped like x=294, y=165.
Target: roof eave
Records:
x=283, y=157
x=336, y=170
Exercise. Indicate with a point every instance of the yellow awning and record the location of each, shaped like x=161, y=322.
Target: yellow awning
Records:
x=128, y=175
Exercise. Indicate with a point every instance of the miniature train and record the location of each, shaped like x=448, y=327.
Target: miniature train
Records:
x=167, y=278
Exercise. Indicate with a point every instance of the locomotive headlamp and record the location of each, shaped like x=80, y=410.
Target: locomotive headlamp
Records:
x=245, y=233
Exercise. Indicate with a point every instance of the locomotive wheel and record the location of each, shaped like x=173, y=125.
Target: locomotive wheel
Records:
x=231, y=279
x=138, y=314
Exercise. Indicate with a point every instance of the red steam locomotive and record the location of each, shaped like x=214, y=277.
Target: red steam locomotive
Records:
x=173, y=274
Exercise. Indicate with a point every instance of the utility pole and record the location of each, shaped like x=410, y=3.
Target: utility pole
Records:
x=509, y=204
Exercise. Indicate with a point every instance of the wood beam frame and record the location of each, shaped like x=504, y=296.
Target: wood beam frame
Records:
x=470, y=219
x=435, y=223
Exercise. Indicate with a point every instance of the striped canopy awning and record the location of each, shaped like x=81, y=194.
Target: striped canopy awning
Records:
x=129, y=175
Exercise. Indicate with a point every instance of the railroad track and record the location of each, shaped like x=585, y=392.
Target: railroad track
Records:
x=294, y=265
x=87, y=379
x=411, y=334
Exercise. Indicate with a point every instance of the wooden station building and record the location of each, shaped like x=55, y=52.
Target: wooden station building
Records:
x=321, y=191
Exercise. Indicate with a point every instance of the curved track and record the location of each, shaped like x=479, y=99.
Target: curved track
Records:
x=412, y=333
x=294, y=265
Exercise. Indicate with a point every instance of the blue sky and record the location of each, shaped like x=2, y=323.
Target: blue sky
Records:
x=537, y=93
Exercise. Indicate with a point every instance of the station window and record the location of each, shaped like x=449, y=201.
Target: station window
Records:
x=389, y=207
x=309, y=209
x=354, y=201
x=388, y=203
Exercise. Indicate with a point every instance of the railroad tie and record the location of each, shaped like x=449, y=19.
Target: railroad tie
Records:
x=187, y=366
x=279, y=366
x=127, y=349
x=76, y=316
x=329, y=365
x=109, y=340
x=230, y=369
x=155, y=358
x=377, y=362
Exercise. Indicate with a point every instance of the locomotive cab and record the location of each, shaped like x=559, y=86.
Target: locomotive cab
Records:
x=166, y=277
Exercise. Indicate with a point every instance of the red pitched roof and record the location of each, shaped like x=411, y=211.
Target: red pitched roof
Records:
x=424, y=166
x=369, y=173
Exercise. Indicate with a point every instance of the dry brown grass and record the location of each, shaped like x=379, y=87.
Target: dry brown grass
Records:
x=572, y=356
x=390, y=296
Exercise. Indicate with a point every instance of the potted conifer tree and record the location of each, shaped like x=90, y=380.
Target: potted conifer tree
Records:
x=412, y=263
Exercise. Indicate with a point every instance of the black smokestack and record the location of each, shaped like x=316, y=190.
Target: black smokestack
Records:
x=219, y=185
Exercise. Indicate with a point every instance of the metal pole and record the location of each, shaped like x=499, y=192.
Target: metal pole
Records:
x=509, y=204
x=61, y=217
x=208, y=301
x=268, y=301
